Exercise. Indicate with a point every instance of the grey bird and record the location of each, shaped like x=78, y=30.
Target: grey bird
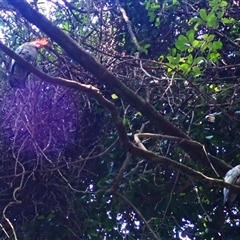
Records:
x=232, y=177
x=29, y=50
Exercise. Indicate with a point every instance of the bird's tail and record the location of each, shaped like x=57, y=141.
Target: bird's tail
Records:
x=16, y=83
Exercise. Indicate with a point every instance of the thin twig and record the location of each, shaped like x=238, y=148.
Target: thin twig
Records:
x=124, y=199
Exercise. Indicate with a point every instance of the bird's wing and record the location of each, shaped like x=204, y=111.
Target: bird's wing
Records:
x=18, y=51
x=231, y=177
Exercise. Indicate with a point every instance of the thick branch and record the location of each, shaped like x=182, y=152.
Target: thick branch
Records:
x=150, y=156
x=129, y=147
x=78, y=54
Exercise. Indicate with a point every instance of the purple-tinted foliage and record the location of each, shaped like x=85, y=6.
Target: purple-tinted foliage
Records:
x=40, y=119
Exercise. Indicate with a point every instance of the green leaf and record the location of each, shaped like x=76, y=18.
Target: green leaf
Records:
x=196, y=43
x=197, y=60
x=114, y=96
x=157, y=22
x=183, y=39
x=142, y=49
x=174, y=60
x=151, y=16
x=199, y=23
x=182, y=43
x=227, y=20
x=220, y=14
x=217, y=89
x=185, y=67
x=182, y=194
x=155, y=6
x=203, y=14
x=171, y=67
x=147, y=6
x=160, y=58
x=212, y=20
x=66, y=26
x=209, y=38
x=147, y=45
x=196, y=71
x=217, y=45
x=190, y=49
x=223, y=4
x=190, y=35
x=212, y=3
x=138, y=114
x=175, y=2
x=213, y=56
x=203, y=47
x=190, y=59
x=173, y=51
x=125, y=121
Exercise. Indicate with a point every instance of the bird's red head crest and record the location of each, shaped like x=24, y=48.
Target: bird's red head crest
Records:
x=40, y=42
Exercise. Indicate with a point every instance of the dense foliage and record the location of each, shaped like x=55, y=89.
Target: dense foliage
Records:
x=131, y=129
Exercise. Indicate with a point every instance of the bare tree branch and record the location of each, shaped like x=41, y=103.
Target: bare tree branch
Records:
x=78, y=54
x=129, y=147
